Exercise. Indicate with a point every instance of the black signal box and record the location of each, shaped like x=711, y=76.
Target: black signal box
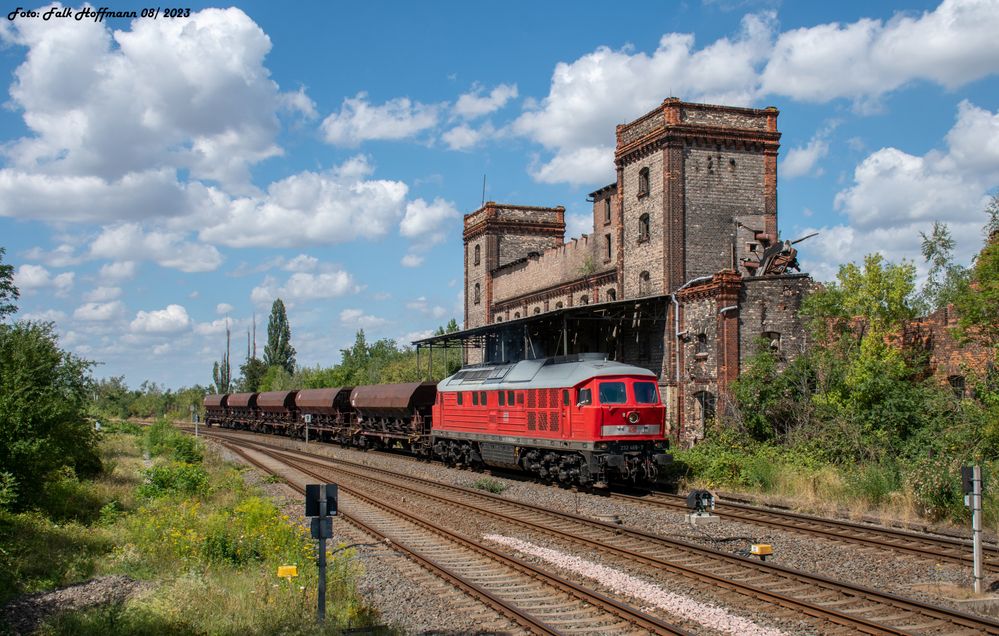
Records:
x=967, y=478
x=315, y=494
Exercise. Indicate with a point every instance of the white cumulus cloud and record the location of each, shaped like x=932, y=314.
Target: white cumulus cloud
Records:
x=357, y=318
x=360, y=121
x=128, y=241
x=951, y=45
x=305, y=286
x=100, y=312
x=474, y=104
x=312, y=208
x=35, y=277
x=172, y=319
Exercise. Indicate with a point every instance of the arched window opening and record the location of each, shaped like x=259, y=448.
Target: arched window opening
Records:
x=516, y=314
x=584, y=300
x=644, y=284
x=558, y=305
x=499, y=318
x=704, y=408
x=476, y=294
x=611, y=295
x=772, y=339
x=607, y=247
x=957, y=385
x=478, y=254
x=643, y=182
x=643, y=228
x=537, y=310
x=702, y=344
x=607, y=210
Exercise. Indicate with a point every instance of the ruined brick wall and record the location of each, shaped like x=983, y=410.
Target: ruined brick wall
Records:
x=721, y=117
x=712, y=186
x=949, y=361
x=722, y=186
x=503, y=234
x=698, y=386
x=557, y=266
x=772, y=304
x=643, y=254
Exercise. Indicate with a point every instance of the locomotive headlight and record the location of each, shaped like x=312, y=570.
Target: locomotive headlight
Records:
x=633, y=417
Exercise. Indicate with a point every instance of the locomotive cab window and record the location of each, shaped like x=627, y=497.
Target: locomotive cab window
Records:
x=475, y=398
x=482, y=398
x=460, y=393
x=565, y=398
x=584, y=397
x=613, y=393
x=645, y=393
x=502, y=398
x=509, y=398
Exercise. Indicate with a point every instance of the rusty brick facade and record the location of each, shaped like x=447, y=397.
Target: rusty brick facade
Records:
x=948, y=361
x=695, y=190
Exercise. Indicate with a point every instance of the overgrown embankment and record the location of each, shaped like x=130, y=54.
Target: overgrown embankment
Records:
x=860, y=419
x=165, y=511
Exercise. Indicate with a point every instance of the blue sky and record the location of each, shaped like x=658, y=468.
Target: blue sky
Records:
x=158, y=176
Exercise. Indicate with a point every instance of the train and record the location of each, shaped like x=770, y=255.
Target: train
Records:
x=578, y=420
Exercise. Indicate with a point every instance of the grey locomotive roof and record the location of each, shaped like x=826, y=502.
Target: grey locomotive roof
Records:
x=543, y=373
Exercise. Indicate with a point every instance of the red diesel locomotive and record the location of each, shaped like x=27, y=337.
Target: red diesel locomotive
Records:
x=575, y=420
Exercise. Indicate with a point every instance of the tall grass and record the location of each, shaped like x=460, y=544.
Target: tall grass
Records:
x=208, y=544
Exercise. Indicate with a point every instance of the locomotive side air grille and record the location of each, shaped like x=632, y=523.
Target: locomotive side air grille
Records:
x=542, y=399
x=553, y=398
x=554, y=426
x=543, y=421
x=531, y=421
x=532, y=399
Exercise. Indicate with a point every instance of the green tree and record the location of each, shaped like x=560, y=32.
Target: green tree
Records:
x=8, y=291
x=43, y=396
x=279, y=351
x=945, y=278
x=977, y=304
x=253, y=371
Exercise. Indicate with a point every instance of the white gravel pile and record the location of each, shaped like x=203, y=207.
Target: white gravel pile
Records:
x=709, y=616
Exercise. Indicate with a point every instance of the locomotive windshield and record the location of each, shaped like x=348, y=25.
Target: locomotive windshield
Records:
x=645, y=393
x=613, y=393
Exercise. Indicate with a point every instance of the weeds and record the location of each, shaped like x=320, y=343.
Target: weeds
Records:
x=489, y=485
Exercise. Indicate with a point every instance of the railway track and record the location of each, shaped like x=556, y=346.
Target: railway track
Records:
x=931, y=547
x=537, y=601
x=841, y=606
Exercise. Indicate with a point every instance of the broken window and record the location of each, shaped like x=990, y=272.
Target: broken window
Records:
x=477, y=254
x=643, y=182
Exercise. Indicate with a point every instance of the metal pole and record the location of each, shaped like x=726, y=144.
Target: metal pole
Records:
x=306, y=431
x=976, y=525
x=321, y=609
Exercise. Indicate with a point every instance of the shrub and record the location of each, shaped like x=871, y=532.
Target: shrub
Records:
x=163, y=439
x=43, y=393
x=936, y=485
x=174, y=478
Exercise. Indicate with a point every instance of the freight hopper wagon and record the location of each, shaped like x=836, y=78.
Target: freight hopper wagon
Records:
x=578, y=420
x=327, y=414
x=390, y=415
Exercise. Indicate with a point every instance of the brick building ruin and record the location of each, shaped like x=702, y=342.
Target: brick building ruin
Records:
x=683, y=273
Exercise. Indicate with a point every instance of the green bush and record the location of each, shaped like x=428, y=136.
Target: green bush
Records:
x=162, y=438
x=174, y=478
x=936, y=485
x=43, y=397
